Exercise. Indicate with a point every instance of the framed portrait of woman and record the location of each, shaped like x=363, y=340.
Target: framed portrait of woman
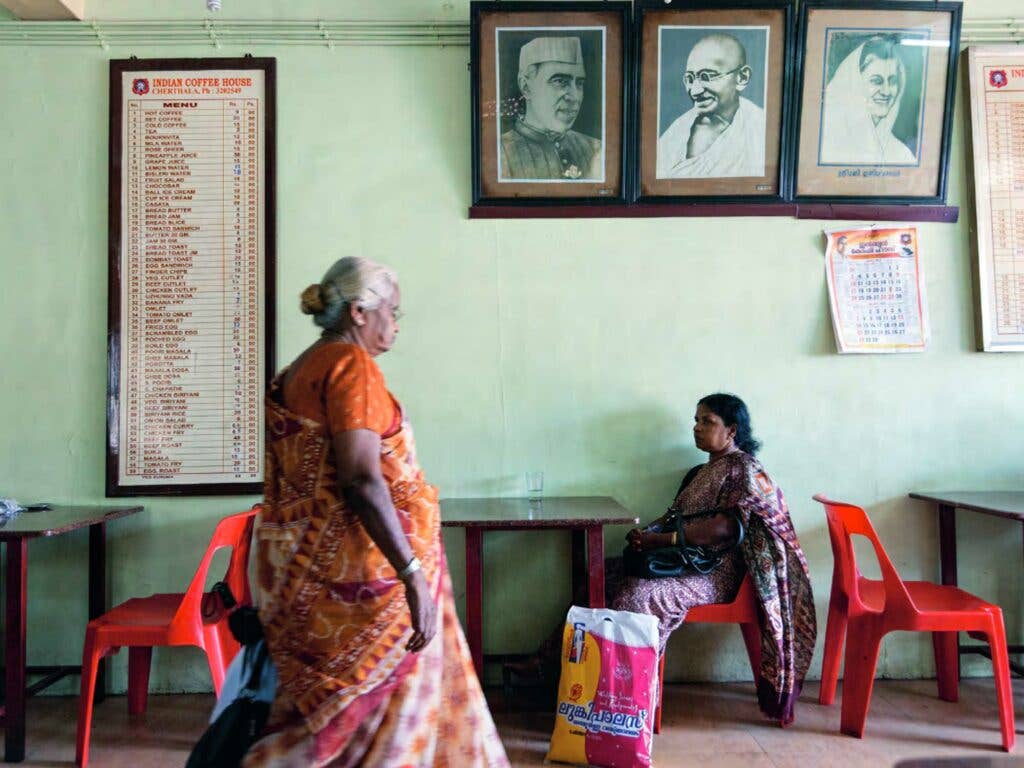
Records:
x=712, y=104
x=875, y=105
x=549, y=101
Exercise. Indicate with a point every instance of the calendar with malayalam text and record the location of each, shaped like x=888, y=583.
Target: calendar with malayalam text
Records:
x=876, y=290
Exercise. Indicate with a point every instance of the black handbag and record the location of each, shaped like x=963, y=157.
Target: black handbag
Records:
x=228, y=738
x=681, y=559
x=243, y=620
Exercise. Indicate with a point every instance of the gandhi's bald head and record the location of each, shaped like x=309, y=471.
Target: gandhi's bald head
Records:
x=723, y=46
x=716, y=73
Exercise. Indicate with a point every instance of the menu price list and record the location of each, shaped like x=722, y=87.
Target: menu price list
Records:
x=192, y=287
x=1004, y=133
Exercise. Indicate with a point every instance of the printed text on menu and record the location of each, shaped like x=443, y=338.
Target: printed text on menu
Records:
x=191, y=278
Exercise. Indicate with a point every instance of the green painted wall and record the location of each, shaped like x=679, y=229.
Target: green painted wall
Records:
x=574, y=347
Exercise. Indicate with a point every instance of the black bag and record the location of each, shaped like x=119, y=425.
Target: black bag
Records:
x=229, y=737
x=668, y=562
x=681, y=559
x=243, y=620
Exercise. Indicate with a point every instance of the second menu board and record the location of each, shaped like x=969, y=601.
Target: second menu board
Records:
x=997, y=122
x=191, y=274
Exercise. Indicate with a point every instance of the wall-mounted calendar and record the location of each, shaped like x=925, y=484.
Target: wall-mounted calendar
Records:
x=876, y=290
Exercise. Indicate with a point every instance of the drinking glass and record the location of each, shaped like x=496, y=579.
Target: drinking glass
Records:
x=534, y=485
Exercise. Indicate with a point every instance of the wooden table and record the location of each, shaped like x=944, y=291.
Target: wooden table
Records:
x=1006, y=504
x=15, y=534
x=584, y=516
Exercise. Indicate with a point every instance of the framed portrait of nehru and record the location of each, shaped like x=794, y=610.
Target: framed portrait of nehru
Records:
x=875, y=107
x=713, y=101
x=549, y=114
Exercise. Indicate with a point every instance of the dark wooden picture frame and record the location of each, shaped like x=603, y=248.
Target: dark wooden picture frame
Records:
x=513, y=162
x=769, y=65
x=920, y=159
x=114, y=216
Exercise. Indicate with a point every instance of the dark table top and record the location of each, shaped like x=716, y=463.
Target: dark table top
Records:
x=61, y=519
x=999, y=503
x=549, y=512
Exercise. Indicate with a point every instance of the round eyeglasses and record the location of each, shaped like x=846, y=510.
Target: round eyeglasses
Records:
x=706, y=76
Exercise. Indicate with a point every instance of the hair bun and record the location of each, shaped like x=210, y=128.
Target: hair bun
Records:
x=312, y=300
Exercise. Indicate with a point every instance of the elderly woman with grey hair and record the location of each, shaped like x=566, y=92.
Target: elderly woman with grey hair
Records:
x=351, y=580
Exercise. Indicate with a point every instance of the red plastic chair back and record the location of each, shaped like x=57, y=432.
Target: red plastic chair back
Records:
x=233, y=531
x=844, y=522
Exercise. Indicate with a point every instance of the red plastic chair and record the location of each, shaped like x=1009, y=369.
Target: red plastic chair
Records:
x=871, y=590
x=908, y=606
x=743, y=610
x=165, y=620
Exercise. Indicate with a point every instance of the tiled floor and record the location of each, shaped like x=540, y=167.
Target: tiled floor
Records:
x=704, y=725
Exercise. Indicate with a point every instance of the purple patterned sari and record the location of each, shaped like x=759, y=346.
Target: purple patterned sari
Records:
x=770, y=553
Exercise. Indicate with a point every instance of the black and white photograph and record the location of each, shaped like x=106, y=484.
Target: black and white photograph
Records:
x=875, y=98
x=871, y=110
x=712, y=91
x=549, y=101
x=550, y=83
x=713, y=102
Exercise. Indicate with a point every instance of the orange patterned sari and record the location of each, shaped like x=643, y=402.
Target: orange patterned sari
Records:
x=333, y=611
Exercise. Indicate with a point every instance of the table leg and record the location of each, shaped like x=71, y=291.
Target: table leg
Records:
x=947, y=543
x=474, y=597
x=595, y=565
x=947, y=559
x=14, y=644
x=579, y=565
x=98, y=594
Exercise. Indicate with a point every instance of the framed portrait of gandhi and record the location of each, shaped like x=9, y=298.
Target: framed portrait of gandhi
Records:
x=713, y=101
x=549, y=101
x=875, y=105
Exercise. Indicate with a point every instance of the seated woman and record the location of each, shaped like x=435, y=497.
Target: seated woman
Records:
x=353, y=588
x=734, y=484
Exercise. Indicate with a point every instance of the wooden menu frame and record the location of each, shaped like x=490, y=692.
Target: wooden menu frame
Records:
x=996, y=98
x=180, y=85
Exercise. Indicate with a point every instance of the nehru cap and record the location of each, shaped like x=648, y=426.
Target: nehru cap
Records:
x=565, y=50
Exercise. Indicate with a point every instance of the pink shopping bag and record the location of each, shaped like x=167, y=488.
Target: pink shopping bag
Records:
x=606, y=693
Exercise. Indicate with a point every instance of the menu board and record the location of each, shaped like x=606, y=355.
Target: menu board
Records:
x=191, y=274
x=997, y=126
x=876, y=289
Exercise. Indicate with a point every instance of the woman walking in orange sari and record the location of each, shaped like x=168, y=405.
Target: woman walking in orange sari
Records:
x=351, y=575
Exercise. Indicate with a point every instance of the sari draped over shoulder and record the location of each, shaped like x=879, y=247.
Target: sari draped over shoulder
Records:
x=781, y=580
x=333, y=610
